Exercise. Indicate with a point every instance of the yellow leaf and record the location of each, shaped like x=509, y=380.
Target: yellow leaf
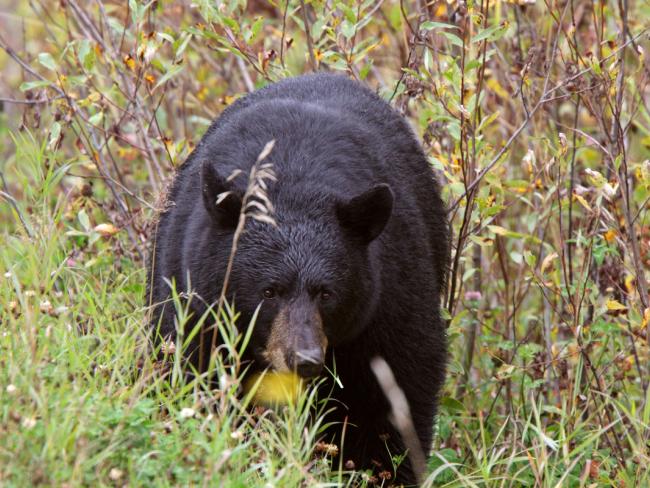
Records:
x=615, y=306
x=203, y=93
x=582, y=201
x=498, y=230
x=494, y=85
x=228, y=99
x=629, y=283
x=595, y=178
x=646, y=318
x=129, y=61
x=106, y=230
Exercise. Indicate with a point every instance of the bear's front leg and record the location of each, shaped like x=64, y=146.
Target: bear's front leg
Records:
x=362, y=427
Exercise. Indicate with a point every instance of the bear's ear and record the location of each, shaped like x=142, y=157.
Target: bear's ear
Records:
x=220, y=198
x=365, y=216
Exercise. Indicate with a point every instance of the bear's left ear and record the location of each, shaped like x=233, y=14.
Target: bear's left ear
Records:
x=366, y=215
x=220, y=198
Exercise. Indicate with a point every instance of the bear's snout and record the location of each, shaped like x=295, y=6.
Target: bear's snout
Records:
x=307, y=363
x=297, y=341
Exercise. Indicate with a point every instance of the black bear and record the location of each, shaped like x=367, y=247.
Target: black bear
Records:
x=352, y=267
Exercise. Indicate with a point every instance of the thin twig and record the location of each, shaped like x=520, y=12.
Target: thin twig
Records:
x=310, y=44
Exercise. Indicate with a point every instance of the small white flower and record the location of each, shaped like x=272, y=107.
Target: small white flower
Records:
x=60, y=310
x=187, y=413
x=29, y=422
x=529, y=160
x=115, y=474
x=11, y=389
x=550, y=443
x=46, y=306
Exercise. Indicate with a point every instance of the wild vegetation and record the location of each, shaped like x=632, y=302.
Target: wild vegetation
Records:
x=535, y=115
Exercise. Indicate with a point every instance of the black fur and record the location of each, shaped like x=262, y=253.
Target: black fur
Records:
x=358, y=213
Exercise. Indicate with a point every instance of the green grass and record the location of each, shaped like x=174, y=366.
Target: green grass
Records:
x=517, y=104
x=84, y=403
x=81, y=402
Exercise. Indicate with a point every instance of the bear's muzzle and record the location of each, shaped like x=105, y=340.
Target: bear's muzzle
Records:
x=297, y=341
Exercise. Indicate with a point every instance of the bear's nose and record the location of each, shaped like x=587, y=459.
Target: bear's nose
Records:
x=308, y=363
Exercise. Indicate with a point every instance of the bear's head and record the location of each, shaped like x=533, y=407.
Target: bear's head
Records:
x=312, y=273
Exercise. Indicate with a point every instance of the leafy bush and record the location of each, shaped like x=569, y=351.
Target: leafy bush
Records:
x=534, y=115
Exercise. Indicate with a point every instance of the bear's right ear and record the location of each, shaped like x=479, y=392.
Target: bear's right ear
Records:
x=365, y=216
x=221, y=200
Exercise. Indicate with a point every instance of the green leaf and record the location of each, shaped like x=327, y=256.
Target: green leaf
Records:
x=136, y=12
x=468, y=274
x=30, y=85
x=256, y=27
x=86, y=54
x=173, y=71
x=428, y=60
x=444, y=314
x=473, y=64
x=183, y=45
x=516, y=257
x=170, y=39
x=452, y=405
x=488, y=120
x=350, y=15
x=318, y=27
x=347, y=29
x=454, y=130
x=47, y=60
x=492, y=33
x=84, y=220
x=232, y=23
x=431, y=25
x=453, y=39
x=55, y=132
x=481, y=241
x=365, y=70
x=97, y=118
x=530, y=258
x=501, y=231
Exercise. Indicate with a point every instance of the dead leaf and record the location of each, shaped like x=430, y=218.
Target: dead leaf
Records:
x=106, y=230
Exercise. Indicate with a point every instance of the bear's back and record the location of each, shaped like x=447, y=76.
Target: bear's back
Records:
x=419, y=214
x=353, y=101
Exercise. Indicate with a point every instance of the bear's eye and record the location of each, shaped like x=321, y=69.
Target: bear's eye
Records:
x=325, y=295
x=269, y=293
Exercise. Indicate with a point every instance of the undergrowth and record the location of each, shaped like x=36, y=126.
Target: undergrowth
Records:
x=535, y=117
